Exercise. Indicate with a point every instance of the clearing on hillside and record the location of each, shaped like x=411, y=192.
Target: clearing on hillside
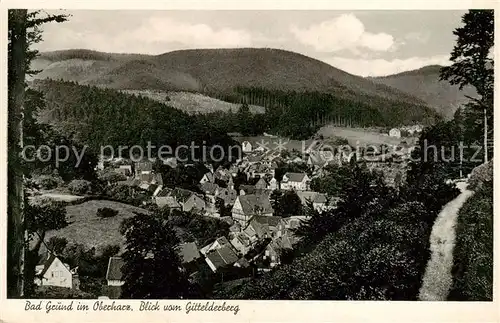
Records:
x=87, y=228
x=192, y=102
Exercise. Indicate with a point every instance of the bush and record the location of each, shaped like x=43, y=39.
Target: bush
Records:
x=480, y=175
x=79, y=187
x=106, y=212
x=111, y=176
x=47, y=182
x=473, y=253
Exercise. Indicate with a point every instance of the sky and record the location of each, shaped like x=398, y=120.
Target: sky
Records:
x=365, y=43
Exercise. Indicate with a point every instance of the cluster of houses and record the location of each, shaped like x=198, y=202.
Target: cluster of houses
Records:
x=257, y=237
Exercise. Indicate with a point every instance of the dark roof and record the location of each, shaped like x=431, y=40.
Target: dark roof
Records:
x=252, y=202
x=189, y=252
x=222, y=257
x=267, y=220
x=228, y=195
x=209, y=188
x=114, y=268
x=144, y=166
x=164, y=192
x=223, y=241
x=181, y=195
x=250, y=189
x=146, y=177
x=314, y=197
x=295, y=177
x=168, y=201
x=47, y=263
x=158, y=179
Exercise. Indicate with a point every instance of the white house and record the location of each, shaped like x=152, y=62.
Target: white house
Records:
x=246, y=206
x=394, y=132
x=273, y=184
x=217, y=244
x=53, y=272
x=246, y=146
x=295, y=181
x=207, y=178
x=318, y=200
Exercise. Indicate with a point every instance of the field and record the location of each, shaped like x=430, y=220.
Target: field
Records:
x=86, y=228
x=272, y=142
x=359, y=136
x=192, y=102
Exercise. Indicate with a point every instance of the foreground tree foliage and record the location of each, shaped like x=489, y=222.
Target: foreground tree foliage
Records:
x=41, y=216
x=152, y=268
x=473, y=65
x=374, y=245
x=473, y=253
x=23, y=31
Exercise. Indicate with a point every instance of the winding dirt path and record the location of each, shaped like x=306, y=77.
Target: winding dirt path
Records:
x=437, y=278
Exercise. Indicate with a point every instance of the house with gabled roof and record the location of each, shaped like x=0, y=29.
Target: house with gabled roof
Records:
x=261, y=184
x=216, y=244
x=295, y=181
x=220, y=258
x=228, y=195
x=208, y=177
x=241, y=242
x=188, y=252
x=247, y=206
x=246, y=146
x=114, y=278
x=189, y=200
x=318, y=200
x=51, y=271
x=144, y=167
x=114, y=275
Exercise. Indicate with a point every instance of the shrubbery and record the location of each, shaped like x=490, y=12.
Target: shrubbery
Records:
x=111, y=176
x=106, y=212
x=473, y=253
x=80, y=187
x=47, y=182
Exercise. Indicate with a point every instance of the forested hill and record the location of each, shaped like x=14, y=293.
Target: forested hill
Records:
x=425, y=84
x=210, y=70
x=229, y=75
x=99, y=117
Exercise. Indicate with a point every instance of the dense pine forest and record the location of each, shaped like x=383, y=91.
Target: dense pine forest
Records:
x=99, y=117
x=299, y=114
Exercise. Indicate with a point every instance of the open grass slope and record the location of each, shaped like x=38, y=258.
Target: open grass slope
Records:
x=86, y=228
x=217, y=72
x=193, y=103
x=424, y=83
x=359, y=136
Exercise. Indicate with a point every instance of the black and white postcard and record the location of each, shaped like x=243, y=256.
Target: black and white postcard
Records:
x=188, y=161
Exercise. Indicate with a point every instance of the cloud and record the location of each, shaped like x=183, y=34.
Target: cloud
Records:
x=165, y=30
x=382, y=67
x=151, y=35
x=343, y=32
x=418, y=37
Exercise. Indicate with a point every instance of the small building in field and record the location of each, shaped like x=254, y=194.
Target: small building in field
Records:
x=394, y=132
x=246, y=146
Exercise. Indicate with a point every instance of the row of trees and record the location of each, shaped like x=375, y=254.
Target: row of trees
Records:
x=298, y=114
x=100, y=117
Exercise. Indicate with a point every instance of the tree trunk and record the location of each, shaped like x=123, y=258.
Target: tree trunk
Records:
x=485, y=136
x=16, y=230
